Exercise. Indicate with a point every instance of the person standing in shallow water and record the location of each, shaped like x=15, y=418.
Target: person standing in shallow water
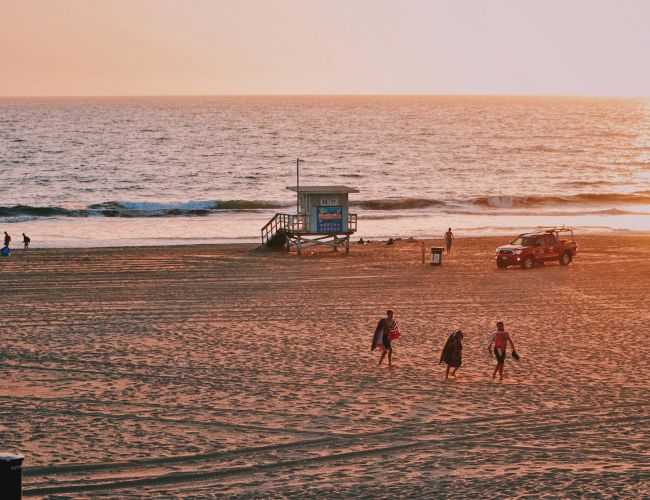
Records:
x=26, y=240
x=449, y=239
x=452, y=353
x=500, y=339
x=7, y=239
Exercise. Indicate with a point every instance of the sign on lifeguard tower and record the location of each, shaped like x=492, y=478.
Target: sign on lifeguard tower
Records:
x=330, y=219
x=322, y=218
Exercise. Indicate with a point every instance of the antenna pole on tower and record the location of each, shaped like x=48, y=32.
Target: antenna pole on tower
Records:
x=298, y=160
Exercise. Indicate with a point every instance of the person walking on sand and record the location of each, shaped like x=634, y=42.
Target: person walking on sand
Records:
x=452, y=352
x=449, y=239
x=500, y=339
x=7, y=239
x=386, y=331
x=26, y=240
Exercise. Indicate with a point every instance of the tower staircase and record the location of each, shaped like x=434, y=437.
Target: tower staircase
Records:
x=282, y=226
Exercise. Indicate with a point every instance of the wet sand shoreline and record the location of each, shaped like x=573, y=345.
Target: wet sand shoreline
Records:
x=216, y=369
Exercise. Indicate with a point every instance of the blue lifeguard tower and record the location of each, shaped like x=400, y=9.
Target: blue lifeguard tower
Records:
x=322, y=218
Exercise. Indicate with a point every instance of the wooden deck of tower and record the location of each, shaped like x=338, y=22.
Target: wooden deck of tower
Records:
x=322, y=219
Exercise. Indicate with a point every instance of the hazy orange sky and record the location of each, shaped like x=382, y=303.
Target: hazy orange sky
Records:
x=152, y=47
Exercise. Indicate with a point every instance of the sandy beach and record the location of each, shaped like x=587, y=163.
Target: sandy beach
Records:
x=223, y=371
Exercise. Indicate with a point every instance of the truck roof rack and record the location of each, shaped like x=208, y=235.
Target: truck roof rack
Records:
x=557, y=229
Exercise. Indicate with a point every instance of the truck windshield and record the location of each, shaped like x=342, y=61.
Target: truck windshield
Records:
x=524, y=241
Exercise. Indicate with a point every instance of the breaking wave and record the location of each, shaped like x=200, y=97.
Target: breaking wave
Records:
x=27, y=210
x=585, y=201
x=505, y=202
x=138, y=209
x=548, y=213
x=397, y=203
x=638, y=198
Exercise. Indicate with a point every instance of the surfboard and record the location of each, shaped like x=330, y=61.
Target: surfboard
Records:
x=376, y=337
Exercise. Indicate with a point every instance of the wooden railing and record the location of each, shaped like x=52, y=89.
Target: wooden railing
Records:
x=292, y=223
x=287, y=223
x=352, y=222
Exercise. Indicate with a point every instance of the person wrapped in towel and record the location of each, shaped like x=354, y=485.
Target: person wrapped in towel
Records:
x=452, y=353
x=387, y=330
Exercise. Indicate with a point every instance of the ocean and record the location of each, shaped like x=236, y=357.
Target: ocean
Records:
x=88, y=172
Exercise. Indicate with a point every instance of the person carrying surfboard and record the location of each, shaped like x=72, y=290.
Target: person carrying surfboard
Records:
x=386, y=331
x=452, y=353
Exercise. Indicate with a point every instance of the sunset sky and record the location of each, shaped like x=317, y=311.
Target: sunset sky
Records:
x=163, y=47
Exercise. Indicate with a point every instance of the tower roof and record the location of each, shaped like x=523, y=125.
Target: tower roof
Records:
x=323, y=189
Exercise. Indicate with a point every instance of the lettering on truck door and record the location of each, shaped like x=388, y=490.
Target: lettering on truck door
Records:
x=540, y=248
x=552, y=248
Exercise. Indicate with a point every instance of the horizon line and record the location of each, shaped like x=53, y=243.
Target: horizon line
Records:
x=371, y=94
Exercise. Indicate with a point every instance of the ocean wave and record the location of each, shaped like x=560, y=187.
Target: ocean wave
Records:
x=397, y=203
x=387, y=216
x=506, y=202
x=27, y=210
x=591, y=184
x=547, y=213
x=137, y=209
x=250, y=205
x=148, y=208
x=638, y=198
x=14, y=220
x=577, y=204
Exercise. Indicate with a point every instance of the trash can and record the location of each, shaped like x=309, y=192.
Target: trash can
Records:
x=436, y=256
x=11, y=476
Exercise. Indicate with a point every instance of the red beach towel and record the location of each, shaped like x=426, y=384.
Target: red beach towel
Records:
x=393, y=334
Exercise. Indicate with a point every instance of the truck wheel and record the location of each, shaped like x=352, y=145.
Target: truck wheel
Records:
x=528, y=262
x=566, y=258
x=501, y=264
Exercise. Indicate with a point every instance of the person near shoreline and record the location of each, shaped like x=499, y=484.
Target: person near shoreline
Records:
x=26, y=240
x=386, y=331
x=500, y=338
x=449, y=239
x=7, y=239
x=452, y=353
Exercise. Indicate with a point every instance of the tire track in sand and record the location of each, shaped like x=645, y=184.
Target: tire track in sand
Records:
x=335, y=448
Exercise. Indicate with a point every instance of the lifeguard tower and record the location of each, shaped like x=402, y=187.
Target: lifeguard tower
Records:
x=322, y=218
